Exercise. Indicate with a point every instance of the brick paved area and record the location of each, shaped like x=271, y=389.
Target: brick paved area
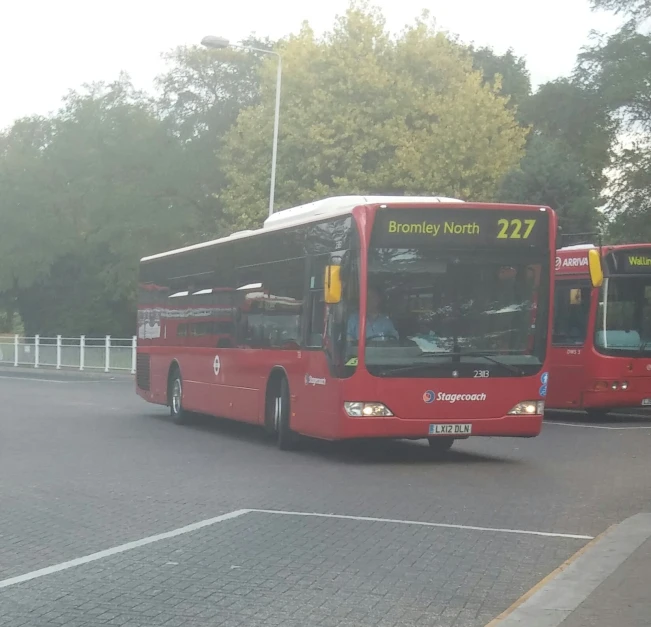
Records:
x=266, y=569
x=85, y=465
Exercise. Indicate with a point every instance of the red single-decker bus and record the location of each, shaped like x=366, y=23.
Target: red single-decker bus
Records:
x=601, y=342
x=358, y=317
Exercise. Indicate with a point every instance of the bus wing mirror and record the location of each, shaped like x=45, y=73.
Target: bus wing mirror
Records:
x=332, y=285
x=596, y=270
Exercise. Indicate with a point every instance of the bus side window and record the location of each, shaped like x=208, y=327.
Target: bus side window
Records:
x=316, y=302
x=283, y=304
x=571, y=313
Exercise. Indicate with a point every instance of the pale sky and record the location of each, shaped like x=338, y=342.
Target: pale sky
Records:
x=50, y=46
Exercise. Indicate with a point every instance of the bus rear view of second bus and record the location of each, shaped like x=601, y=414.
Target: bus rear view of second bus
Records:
x=601, y=343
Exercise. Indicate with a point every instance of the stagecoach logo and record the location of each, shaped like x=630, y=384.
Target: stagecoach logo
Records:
x=310, y=380
x=431, y=396
x=216, y=365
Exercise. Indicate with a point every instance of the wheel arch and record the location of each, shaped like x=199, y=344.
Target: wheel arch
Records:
x=277, y=374
x=174, y=367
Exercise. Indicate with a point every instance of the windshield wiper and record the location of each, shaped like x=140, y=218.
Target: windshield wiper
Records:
x=410, y=368
x=416, y=367
x=509, y=367
x=644, y=345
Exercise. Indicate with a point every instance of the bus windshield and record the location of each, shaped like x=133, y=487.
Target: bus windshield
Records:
x=624, y=316
x=436, y=312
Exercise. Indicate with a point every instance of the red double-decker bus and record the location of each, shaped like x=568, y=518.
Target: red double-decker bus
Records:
x=601, y=342
x=358, y=317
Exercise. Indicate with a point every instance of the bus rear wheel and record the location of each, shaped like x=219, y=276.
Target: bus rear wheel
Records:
x=175, y=396
x=286, y=438
x=440, y=444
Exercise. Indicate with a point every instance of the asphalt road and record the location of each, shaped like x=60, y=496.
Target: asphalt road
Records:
x=86, y=466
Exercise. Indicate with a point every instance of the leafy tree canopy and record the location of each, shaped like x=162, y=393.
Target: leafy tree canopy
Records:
x=510, y=70
x=618, y=69
x=568, y=111
x=636, y=10
x=363, y=113
x=551, y=175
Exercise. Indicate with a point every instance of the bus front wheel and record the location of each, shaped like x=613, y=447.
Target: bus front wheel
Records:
x=287, y=439
x=175, y=395
x=440, y=444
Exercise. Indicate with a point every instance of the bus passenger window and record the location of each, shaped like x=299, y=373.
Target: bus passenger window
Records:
x=571, y=313
x=316, y=303
x=283, y=303
x=317, y=320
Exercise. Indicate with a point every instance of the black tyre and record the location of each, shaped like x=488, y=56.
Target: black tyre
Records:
x=287, y=439
x=175, y=395
x=440, y=444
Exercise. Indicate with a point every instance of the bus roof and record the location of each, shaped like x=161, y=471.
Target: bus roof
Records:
x=577, y=247
x=312, y=212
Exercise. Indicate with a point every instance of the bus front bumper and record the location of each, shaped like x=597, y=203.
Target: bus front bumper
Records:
x=395, y=427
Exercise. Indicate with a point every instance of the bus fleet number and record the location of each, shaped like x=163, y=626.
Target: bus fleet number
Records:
x=512, y=229
x=481, y=374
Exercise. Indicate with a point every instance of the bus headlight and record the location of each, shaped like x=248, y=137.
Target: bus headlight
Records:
x=528, y=408
x=357, y=409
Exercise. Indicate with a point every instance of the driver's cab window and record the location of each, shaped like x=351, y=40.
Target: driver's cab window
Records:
x=378, y=324
x=571, y=313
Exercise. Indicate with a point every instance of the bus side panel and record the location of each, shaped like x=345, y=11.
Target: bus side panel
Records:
x=566, y=377
x=315, y=398
x=224, y=382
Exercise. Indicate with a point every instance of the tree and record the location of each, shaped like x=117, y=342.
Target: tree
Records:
x=575, y=114
x=202, y=93
x=618, y=68
x=83, y=196
x=507, y=72
x=551, y=175
x=362, y=113
x=635, y=10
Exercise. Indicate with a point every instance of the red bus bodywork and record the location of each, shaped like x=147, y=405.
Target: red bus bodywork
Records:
x=233, y=382
x=585, y=374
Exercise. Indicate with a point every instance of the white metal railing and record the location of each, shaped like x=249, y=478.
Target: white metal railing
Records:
x=106, y=354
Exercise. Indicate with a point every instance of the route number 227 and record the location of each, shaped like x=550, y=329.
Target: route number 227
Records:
x=512, y=229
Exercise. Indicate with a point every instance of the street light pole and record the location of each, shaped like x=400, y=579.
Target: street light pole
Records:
x=220, y=43
x=274, y=149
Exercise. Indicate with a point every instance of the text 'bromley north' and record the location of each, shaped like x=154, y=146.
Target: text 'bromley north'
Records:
x=434, y=229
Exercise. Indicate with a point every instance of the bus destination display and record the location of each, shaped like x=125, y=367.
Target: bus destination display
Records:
x=629, y=261
x=459, y=227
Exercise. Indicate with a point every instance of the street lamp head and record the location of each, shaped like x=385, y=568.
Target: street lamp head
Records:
x=219, y=43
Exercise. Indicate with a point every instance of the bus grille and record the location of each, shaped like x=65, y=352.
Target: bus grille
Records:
x=143, y=372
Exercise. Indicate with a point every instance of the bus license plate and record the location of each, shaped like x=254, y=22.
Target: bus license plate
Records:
x=646, y=401
x=454, y=429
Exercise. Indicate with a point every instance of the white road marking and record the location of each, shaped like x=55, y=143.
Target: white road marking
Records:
x=93, y=557
x=546, y=534
x=572, y=424
x=122, y=548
